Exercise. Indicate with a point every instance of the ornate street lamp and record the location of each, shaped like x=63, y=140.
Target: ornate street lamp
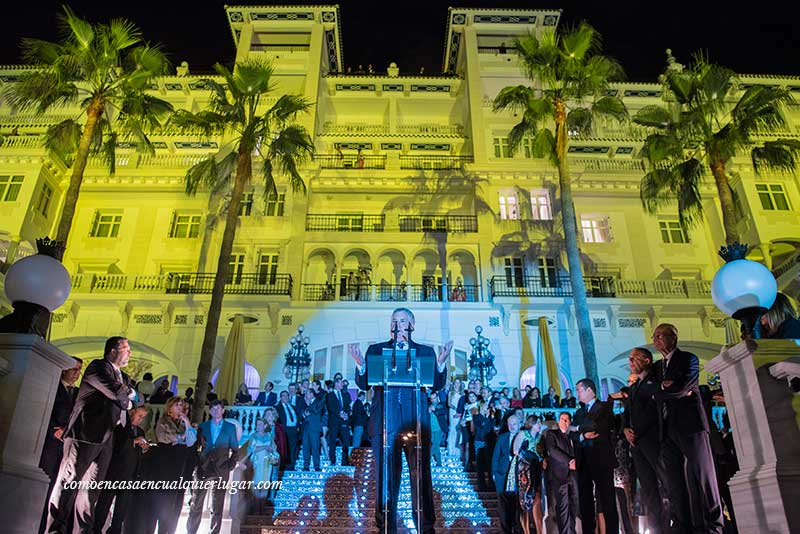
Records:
x=481, y=361
x=298, y=360
x=743, y=289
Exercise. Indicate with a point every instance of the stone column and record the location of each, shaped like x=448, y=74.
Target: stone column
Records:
x=766, y=490
x=30, y=369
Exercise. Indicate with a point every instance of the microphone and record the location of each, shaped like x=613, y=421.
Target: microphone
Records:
x=395, y=331
x=408, y=353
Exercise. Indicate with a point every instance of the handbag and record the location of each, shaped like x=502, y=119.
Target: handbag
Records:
x=274, y=458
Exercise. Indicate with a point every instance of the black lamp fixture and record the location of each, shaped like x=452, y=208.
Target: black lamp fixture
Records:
x=481, y=360
x=298, y=360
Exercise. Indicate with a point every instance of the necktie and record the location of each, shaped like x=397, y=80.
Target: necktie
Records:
x=664, y=411
x=290, y=417
x=339, y=396
x=401, y=345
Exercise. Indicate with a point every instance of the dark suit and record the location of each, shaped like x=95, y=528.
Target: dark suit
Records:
x=216, y=461
x=685, y=449
x=312, y=432
x=596, y=465
x=286, y=415
x=360, y=419
x=125, y=462
x=403, y=408
x=266, y=399
x=561, y=480
x=506, y=501
x=87, y=445
x=641, y=415
x=53, y=449
x=568, y=403
x=551, y=402
x=338, y=427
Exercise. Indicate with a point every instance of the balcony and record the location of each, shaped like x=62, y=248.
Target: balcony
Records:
x=118, y=283
x=238, y=284
x=438, y=223
x=345, y=223
x=597, y=287
x=350, y=161
x=434, y=163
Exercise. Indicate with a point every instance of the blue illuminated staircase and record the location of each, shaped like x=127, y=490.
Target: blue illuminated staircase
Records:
x=341, y=500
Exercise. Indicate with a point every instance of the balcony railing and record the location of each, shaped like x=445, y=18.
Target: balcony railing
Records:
x=350, y=161
x=119, y=283
x=319, y=292
x=345, y=223
x=356, y=292
x=435, y=163
x=238, y=284
x=438, y=223
x=597, y=287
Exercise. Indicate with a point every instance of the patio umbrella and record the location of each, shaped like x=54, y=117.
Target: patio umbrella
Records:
x=231, y=375
x=546, y=368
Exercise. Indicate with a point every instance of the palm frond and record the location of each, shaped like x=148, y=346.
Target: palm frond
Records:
x=109, y=152
x=610, y=106
x=207, y=173
x=39, y=52
x=205, y=123
x=580, y=120
x=288, y=106
x=681, y=84
x=121, y=34
x=577, y=44
x=544, y=145
x=661, y=147
x=290, y=148
x=690, y=203
x=759, y=109
x=520, y=131
x=39, y=91
x=515, y=98
x=656, y=189
x=653, y=116
x=252, y=77
x=82, y=31
x=782, y=155
x=63, y=139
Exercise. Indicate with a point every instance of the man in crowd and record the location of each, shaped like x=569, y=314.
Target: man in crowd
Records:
x=217, y=458
x=162, y=393
x=568, y=401
x=685, y=449
x=53, y=448
x=288, y=417
x=312, y=429
x=103, y=400
x=338, y=404
x=360, y=418
x=561, y=473
x=401, y=421
x=594, y=422
x=551, y=400
x=267, y=397
x=507, y=499
x=640, y=420
x=129, y=444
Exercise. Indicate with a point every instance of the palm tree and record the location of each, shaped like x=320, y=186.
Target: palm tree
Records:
x=238, y=108
x=106, y=70
x=706, y=122
x=569, y=80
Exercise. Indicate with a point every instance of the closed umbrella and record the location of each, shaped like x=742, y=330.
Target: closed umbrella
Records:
x=232, y=373
x=546, y=368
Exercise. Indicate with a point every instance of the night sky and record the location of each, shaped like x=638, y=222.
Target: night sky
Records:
x=761, y=38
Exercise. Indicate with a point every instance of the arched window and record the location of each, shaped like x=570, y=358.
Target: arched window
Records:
x=529, y=378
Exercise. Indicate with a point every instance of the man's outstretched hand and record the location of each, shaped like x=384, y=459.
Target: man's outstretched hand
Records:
x=355, y=353
x=444, y=352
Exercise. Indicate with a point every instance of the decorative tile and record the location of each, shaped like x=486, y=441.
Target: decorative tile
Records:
x=612, y=92
x=430, y=88
x=392, y=87
x=328, y=16
x=494, y=321
x=196, y=144
x=286, y=320
x=624, y=150
x=452, y=53
x=645, y=93
x=631, y=322
x=504, y=19
x=330, y=42
x=550, y=20
x=354, y=146
x=430, y=146
x=578, y=149
x=173, y=86
x=181, y=319
x=718, y=322
x=458, y=18
x=355, y=86
x=599, y=322
x=289, y=16
x=59, y=317
x=199, y=84
x=235, y=16
x=391, y=146
x=148, y=318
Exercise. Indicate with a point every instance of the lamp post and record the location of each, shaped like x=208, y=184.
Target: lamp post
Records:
x=743, y=289
x=298, y=360
x=481, y=360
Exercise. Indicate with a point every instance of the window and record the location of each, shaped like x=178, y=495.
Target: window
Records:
x=267, y=269
x=275, y=205
x=9, y=187
x=673, y=232
x=508, y=206
x=185, y=226
x=527, y=147
x=547, y=272
x=515, y=273
x=235, y=268
x=501, y=147
x=106, y=224
x=246, y=205
x=772, y=197
x=595, y=229
x=540, y=205
x=43, y=202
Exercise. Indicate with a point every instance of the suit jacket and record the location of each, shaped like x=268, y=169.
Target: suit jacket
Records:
x=300, y=404
x=501, y=459
x=551, y=402
x=217, y=458
x=360, y=415
x=682, y=401
x=568, y=403
x=332, y=402
x=599, y=419
x=560, y=449
x=312, y=416
x=125, y=458
x=283, y=417
x=402, y=408
x=101, y=398
x=53, y=449
x=266, y=399
x=641, y=411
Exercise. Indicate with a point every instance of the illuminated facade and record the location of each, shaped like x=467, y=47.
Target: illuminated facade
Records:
x=412, y=190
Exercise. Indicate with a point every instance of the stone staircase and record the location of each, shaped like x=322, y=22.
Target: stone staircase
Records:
x=342, y=500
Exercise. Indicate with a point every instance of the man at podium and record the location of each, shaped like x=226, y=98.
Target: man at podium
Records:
x=401, y=423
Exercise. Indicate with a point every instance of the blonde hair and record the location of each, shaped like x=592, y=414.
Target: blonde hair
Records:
x=172, y=401
x=781, y=310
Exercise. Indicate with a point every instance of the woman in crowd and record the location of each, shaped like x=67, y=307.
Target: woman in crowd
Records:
x=527, y=464
x=516, y=398
x=466, y=431
x=482, y=428
x=243, y=396
x=568, y=401
x=262, y=452
x=436, y=430
x=533, y=399
x=780, y=322
x=454, y=435
x=624, y=480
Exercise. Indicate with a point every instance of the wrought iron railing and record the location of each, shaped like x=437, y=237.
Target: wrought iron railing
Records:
x=463, y=294
x=333, y=222
x=435, y=163
x=238, y=284
x=356, y=292
x=391, y=293
x=438, y=223
x=319, y=292
x=547, y=286
x=350, y=161
x=426, y=293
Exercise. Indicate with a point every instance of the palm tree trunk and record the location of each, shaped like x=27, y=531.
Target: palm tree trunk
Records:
x=726, y=202
x=243, y=174
x=573, y=253
x=93, y=113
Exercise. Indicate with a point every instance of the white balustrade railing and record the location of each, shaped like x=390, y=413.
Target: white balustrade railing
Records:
x=246, y=416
